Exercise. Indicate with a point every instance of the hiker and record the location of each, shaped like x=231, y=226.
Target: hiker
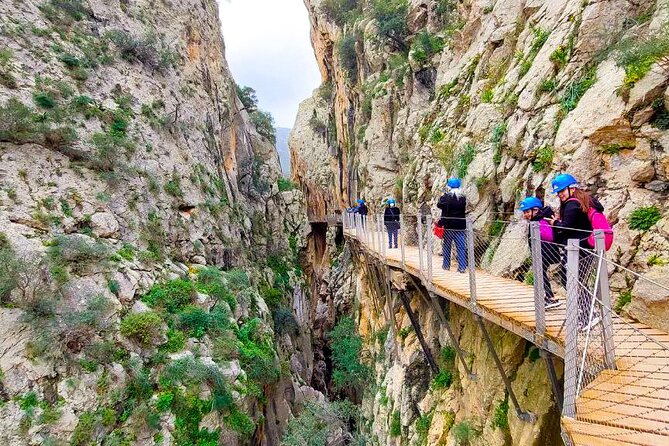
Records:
x=574, y=223
x=534, y=210
x=391, y=218
x=453, y=205
x=361, y=208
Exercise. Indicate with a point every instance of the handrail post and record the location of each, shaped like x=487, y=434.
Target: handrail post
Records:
x=402, y=238
x=605, y=298
x=429, y=249
x=382, y=243
x=379, y=235
x=420, y=244
x=471, y=264
x=539, y=290
x=571, y=331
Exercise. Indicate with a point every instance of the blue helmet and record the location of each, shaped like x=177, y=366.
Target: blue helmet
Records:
x=360, y=201
x=563, y=181
x=530, y=203
x=453, y=183
x=390, y=201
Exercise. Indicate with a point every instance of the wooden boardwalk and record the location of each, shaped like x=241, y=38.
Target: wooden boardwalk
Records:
x=627, y=406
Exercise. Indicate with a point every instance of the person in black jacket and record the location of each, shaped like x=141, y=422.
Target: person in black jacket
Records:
x=362, y=210
x=534, y=210
x=453, y=205
x=574, y=223
x=391, y=219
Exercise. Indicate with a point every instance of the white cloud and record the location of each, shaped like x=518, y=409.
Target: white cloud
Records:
x=268, y=48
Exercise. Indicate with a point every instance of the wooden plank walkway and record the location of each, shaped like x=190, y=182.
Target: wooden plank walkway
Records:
x=627, y=406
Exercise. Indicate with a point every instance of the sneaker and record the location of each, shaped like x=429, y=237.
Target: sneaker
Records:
x=445, y=268
x=462, y=271
x=549, y=304
x=591, y=325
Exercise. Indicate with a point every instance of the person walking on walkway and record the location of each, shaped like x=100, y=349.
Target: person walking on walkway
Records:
x=574, y=223
x=391, y=219
x=534, y=210
x=362, y=210
x=453, y=205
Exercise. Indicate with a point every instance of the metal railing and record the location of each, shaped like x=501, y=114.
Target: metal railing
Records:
x=616, y=371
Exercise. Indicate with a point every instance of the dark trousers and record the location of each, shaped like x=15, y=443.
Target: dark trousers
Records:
x=550, y=255
x=460, y=240
x=586, y=265
x=392, y=236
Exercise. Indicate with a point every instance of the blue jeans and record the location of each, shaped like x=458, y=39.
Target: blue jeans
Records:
x=460, y=239
x=392, y=234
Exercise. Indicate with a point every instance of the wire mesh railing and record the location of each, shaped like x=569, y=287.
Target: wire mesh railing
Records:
x=616, y=371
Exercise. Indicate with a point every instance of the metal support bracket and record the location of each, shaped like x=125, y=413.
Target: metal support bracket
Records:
x=454, y=341
x=555, y=382
x=419, y=333
x=527, y=417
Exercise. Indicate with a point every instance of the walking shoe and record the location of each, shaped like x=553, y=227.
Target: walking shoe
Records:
x=591, y=325
x=549, y=304
x=462, y=271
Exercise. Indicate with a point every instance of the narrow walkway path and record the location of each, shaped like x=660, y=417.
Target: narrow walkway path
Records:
x=627, y=406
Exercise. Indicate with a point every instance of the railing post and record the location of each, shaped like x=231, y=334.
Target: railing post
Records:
x=420, y=244
x=605, y=298
x=402, y=238
x=429, y=250
x=571, y=331
x=382, y=246
x=380, y=234
x=471, y=264
x=539, y=290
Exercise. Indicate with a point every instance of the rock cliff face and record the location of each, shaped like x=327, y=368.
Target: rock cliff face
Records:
x=504, y=94
x=139, y=218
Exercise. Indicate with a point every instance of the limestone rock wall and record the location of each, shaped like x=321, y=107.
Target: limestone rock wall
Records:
x=504, y=94
x=127, y=163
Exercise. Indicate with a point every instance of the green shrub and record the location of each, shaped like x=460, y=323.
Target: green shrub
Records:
x=285, y=184
x=548, y=85
x=149, y=50
x=464, y=432
x=108, y=149
x=83, y=433
x=464, y=159
x=624, y=298
x=637, y=56
x=661, y=118
x=391, y=20
x=346, y=346
x=17, y=123
x=341, y=11
x=487, y=96
x=264, y=124
x=395, y=424
x=425, y=46
x=247, y=96
x=285, y=322
x=643, y=218
x=194, y=320
x=317, y=422
x=543, y=159
x=273, y=297
x=423, y=428
x=7, y=79
x=540, y=37
x=143, y=327
x=575, y=91
x=496, y=140
x=126, y=252
x=240, y=422
x=442, y=380
x=560, y=56
x=500, y=419
x=210, y=281
x=172, y=296
x=348, y=57
x=173, y=187
x=256, y=352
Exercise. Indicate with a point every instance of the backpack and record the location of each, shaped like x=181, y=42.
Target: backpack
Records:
x=545, y=231
x=599, y=222
x=437, y=230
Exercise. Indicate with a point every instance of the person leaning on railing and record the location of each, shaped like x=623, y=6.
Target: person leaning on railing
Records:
x=453, y=205
x=534, y=210
x=391, y=219
x=574, y=223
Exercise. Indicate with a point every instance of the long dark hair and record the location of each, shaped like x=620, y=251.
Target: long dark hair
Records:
x=584, y=199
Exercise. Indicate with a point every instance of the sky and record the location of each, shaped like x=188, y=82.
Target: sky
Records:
x=267, y=47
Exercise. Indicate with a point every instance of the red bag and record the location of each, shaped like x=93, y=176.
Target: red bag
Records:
x=437, y=230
